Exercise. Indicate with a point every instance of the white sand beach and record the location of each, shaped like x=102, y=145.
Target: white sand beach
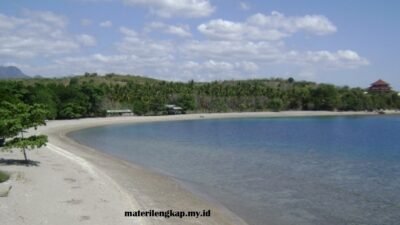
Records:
x=74, y=184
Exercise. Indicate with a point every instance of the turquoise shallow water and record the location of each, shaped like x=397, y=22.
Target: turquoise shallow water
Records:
x=320, y=170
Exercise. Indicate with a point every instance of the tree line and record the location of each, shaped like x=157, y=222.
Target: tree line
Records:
x=91, y=95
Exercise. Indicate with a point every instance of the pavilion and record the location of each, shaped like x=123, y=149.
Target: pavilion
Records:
x=119, y=112
x=379, y=86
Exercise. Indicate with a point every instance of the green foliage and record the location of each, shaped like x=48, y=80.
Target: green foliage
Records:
x=325, y=97
x=91, y=95
x=218, y=105
x=71, y=110
x=16, y=119
x=3, y=176
x=186, y=101
x=31, y=142
x=275, y=104
x=40, y=94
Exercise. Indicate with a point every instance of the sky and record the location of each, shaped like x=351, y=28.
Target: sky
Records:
x=342, y=42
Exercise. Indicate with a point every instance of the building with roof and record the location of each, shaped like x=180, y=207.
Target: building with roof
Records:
x=379, y=86
x=119, y=112
x=173, y=109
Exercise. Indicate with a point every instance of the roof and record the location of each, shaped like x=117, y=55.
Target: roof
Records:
x=119, y=111
x=174, y=107
x=379, y=82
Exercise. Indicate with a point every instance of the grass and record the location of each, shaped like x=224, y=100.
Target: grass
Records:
x=3, y=176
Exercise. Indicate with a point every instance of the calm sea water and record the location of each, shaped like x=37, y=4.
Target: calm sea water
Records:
x=331, y=170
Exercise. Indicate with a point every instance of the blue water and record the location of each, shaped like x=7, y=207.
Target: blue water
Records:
x=294, y=171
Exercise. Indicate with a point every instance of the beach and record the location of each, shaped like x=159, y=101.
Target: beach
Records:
x=75, y=184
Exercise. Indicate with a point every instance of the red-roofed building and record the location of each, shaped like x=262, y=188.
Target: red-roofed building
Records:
x=379, y=86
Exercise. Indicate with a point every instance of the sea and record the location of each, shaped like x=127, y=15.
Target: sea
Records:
x=277, y=171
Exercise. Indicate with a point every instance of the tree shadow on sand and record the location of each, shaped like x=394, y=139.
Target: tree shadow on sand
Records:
x=18, y=162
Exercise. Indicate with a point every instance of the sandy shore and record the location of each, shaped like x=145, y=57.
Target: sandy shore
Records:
x=74, y=184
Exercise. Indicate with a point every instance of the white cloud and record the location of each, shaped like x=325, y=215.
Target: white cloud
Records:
x=46, y=17
x=268, y=28
x=228, y=30
x=133, y=44
x=340, y=58
x=222, y=29
x=348, y=55
x=218, y=66
x=205, y=61
x=234, y=58
x=124, y=63
x=233, y=50
x=86, y=40
x=216, y=70
x=179, y=8
x=316, y=24
x=128, y=32
x=270, y=53
x=178, y=30
x=226, y=49
x=106, y=24
x=35, y=33
x=135, y=54
x=247, y=66
x=9, y=22
x=259, y=40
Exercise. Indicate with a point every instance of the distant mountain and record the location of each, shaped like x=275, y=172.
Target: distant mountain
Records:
x=11, y=72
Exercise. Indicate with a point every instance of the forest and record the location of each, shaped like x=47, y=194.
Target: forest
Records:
x=90, y=95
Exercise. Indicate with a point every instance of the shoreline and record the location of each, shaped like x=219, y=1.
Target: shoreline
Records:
x=139, y=187
x=149, y=189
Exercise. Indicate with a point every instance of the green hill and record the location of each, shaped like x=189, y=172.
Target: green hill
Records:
x=91, y=95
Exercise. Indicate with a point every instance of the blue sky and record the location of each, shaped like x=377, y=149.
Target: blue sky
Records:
x=341, y=42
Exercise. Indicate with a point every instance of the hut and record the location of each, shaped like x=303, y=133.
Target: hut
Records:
x=173, y=109
x=119, y=112
x=379, y=86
